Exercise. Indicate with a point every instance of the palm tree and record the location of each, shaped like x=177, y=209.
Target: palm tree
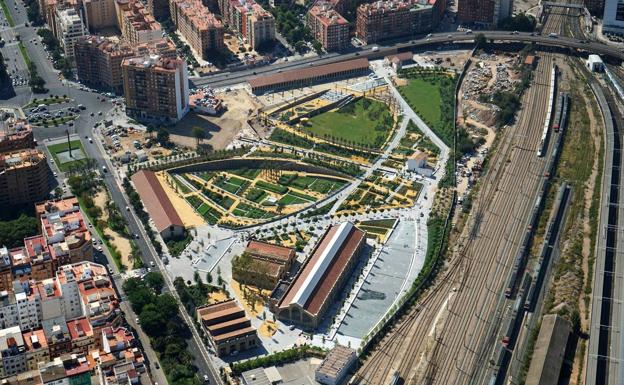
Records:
x=199, y=134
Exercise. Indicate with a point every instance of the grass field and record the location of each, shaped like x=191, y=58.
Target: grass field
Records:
x=359, y=126
x=62, y=147
x=425, y=97
x=271, y=187
x=245, y=210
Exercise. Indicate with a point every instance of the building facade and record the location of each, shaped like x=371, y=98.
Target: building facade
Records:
x=201, y=29
x=69, y=29
x=613, y=18
x=137, y=25
x=328, y=26
x=247, y=18
x=98, y=59
x=23, y=177
x=156, y=88
x=99, y=14
x=393, y=19
x=484, y=13
x=228, y=328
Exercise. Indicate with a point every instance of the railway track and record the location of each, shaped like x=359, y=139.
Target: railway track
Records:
x=447, y=336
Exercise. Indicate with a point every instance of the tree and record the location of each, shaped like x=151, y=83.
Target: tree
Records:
x=155, y=281
x=152, y=321
x=58, y=192
x=480, y=40
x=150, y=128
x=163, y=136
x=318, y=47
x=209, y=277
x=199, y=134
x=12, y=233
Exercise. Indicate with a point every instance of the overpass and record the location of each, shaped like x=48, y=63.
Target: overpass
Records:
x=228, y=78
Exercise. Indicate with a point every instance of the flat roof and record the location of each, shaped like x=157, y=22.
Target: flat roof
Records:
x=337, y=359
x=155, y=200
x=549, y=351
x=313, y=284
x=308, y=73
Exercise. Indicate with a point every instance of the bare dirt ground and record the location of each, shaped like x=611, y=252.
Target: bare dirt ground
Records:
x=220, y=130
x=122, y=244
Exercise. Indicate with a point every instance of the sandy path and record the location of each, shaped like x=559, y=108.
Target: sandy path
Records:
x=189, y=217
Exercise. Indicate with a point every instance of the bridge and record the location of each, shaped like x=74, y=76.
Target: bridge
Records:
x=227, y=78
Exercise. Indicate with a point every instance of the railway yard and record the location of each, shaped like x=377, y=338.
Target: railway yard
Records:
x=478, y=321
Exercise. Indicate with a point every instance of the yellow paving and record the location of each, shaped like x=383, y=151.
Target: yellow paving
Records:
x=189, y=217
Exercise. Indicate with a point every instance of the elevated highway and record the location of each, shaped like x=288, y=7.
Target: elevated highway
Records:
x=229, y=78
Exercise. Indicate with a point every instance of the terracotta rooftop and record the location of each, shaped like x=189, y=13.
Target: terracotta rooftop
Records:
x=308, y=73
x=269, y=250
x=325, y=13
x=155, y=200
x=319, y=294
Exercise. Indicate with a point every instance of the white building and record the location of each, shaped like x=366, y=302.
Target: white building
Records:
x=613, y=19
x=594, y=63
x=335, y=366
x=69, y=28
x=13, y=351
x=20, y=308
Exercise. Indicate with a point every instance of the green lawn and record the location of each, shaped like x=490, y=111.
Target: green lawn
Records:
x=271, y=187
x=245, y=210
x=7, y=13
x=424, y=97
x=47, y=101
x=354, y=124
x=24, y=54
x=62, y=147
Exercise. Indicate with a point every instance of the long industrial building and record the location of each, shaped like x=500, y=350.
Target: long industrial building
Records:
x=304, y=77
x=306, y=299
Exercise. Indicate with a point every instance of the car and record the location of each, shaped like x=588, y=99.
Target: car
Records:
x=100, y=113
x=206, y=379
x=152, y=264
x=136, y=236
x=55, y=174
x=156, y=365
x=100, y=249
x=429, y=35
x=137, y=321
x=104, y=169
x=127, y=208
x=90, y=140
x=92, y=114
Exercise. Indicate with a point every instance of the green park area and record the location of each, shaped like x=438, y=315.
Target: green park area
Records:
x=65, y=159
x=363, y=123
x=241, y=197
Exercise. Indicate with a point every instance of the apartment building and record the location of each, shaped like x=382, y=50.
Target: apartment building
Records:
x=393, y=19
x=99, y=14
x=137, y=25
x=23, y=177
x=156, y=88
x=249, y=19
x=15, y=134
x=118, y=360
x=69, y=29
x=98, y=59
x=201, y=29
x=613, y=17
x=484, y=13
x=12, y=349
x=259, y=25
x=159, y=8
x=328, y=26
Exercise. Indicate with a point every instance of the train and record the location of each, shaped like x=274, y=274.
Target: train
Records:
x=551, y=102
x=540, y=268
x=395, y=379
x=530, y=286
x=549, y=170
x=557, y=120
